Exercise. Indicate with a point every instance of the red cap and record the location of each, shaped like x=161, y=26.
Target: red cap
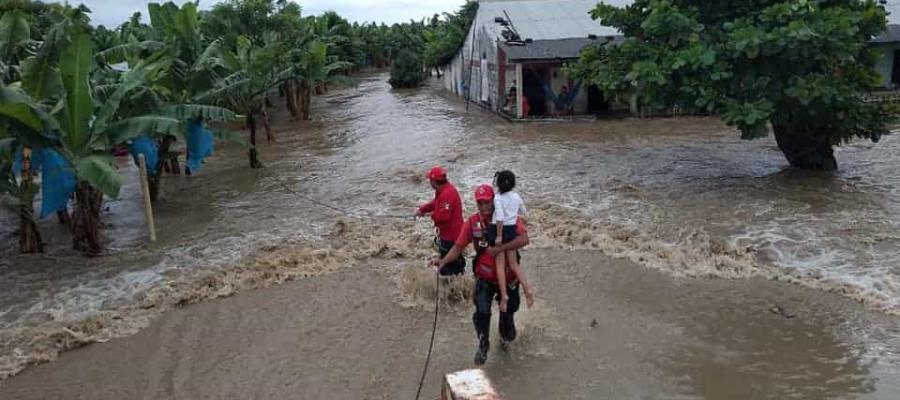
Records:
x=436, y=174
x=484, y=192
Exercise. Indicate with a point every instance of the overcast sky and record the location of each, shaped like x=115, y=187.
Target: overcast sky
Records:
x=113, y=12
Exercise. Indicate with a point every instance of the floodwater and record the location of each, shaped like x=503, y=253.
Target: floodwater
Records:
x=682, y=195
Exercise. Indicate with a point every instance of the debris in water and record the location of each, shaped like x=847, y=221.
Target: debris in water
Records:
x=780, y=311
x=594, y=323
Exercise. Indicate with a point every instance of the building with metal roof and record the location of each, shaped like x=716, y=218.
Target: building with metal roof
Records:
x=528, y=41
x=515, y=51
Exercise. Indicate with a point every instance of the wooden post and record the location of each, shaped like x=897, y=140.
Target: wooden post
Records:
x=520, y=89
x=145, y=188
x=471, y=66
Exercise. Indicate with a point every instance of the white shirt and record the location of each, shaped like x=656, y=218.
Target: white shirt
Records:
x=507, y=208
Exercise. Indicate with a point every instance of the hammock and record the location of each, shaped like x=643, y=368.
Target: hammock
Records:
x=561, y=100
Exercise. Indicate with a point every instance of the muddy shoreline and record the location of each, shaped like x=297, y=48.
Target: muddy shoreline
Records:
x=602, y=328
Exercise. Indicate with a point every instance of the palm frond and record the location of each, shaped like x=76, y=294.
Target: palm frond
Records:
x=120, y=131
x=206, y=112
x=231, y=86
x=99, y=172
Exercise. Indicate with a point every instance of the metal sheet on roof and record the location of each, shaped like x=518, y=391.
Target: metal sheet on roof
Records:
x=545, y=19
x=555, y=49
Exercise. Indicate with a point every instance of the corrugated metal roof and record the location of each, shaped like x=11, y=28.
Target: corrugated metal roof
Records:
x=554, y=49
x=545, y=19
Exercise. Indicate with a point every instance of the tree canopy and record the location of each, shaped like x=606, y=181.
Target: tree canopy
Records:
x=799, y=66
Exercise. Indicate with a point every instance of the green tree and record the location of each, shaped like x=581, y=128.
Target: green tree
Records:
x=192, y=67
x=444, y=37
x=61, y=103
x=21, y=130
x=407, y=71
x=253, y=71
x=801, y=66
x=313, y=68
x=232, y=19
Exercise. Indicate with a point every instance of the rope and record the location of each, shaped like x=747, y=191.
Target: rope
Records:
x=337, y=209
x=437, y=275
x=437, y=292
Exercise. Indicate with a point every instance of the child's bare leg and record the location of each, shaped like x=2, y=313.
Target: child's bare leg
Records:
x=501, y=281
x=513, y=263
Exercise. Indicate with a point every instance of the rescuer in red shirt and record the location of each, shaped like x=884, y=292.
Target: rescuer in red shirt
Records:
x=447, y=213
x=478, y=231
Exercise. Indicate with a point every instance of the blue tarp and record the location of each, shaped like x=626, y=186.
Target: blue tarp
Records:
x=57, y=179
x=57, y=183
x=149, y=148
x=199, y=145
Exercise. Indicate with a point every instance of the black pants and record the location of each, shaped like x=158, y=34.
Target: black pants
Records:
x=455, y=268
x=485, y=294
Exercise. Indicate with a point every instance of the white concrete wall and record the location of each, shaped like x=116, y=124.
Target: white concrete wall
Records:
x=485, y=48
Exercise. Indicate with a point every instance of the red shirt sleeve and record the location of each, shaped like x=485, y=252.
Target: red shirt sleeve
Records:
x=465, y=234
x=427, y=207
x=443, y=207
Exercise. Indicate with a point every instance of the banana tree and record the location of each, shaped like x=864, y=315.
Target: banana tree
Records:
x=191, y=68
x=21, y=127
x=21, y=195
x=195, y=67
x=314, y=68
x=88, y=131
x=254, y=70
x=15, y=44
x=18, y=195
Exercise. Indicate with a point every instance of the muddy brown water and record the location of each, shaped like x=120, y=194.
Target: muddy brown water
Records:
x=682, y=195
x=595, y=332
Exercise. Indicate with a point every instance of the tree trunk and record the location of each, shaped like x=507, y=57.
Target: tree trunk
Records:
x=267, y=121
x=167, y=158
x=251, y=123
x=301, y=106
x=306, y=93
x=86, y=221
x=803, y=149
x=64, y=218
x=291, y=98
x=29, y=237
x=176, y=168
x=298, y=97
x=154, y=180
